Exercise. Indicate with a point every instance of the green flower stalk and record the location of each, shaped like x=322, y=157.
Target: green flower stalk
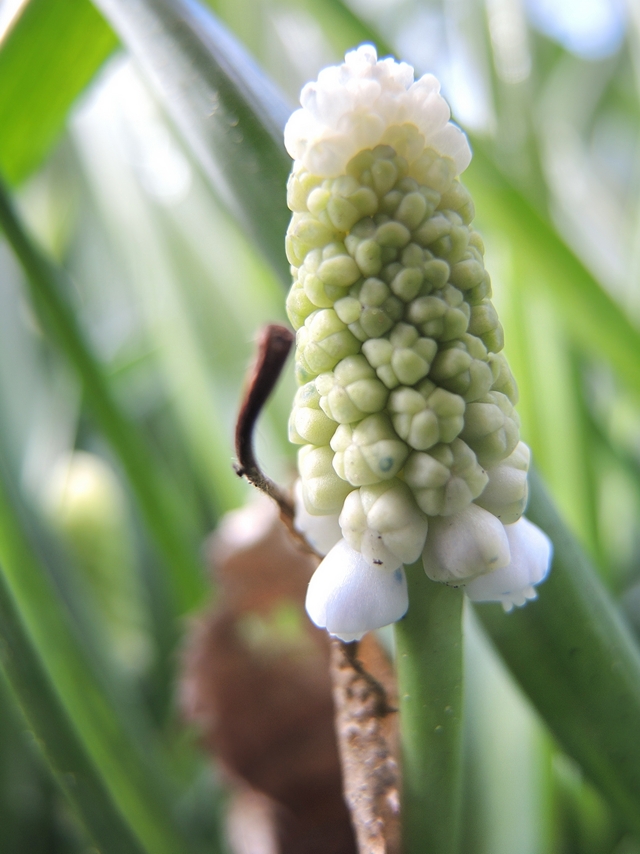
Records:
x=410, y=441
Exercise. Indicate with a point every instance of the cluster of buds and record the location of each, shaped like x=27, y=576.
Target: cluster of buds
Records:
x=405, y=412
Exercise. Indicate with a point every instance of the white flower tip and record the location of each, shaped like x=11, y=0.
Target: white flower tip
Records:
x=348, y=597
x=351, y=106
x=513, y=585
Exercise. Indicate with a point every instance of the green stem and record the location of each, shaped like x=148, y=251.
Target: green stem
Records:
x=429, y=658
x=159, y=505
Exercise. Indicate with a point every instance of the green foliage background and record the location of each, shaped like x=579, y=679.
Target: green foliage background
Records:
x=145, y=231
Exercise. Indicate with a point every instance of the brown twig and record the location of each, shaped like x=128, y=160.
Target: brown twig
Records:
x=370, y=771
x=274, y=345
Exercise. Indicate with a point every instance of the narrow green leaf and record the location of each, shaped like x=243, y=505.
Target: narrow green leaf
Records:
x=578, y=663
x=225, y=109
x=592, y=317
x=429, y=661
x=64, y=752
x=46, y=60
x=160, y=506
x=122, y=773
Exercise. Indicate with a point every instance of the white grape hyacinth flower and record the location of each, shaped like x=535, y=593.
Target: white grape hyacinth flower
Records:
x=348, y=596
x=405, y=414
x=512, y=585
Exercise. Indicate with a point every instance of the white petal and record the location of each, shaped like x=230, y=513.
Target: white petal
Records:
x=349, y=597
x=321, y=532
x=469, y=543
x=531, y=554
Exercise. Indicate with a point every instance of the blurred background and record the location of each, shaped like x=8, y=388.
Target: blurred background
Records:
x=169, y=292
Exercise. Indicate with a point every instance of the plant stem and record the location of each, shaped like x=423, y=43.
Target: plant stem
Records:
x=429, y=657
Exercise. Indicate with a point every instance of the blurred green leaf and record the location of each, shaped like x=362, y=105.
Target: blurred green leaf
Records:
x=578, y=663
x=64, y=752
x=593, y=318
x=121, y=783
x=46, y=60
x=225, y=109
x=159, y=504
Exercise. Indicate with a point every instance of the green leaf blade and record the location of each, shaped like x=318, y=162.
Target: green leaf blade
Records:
x=230, y=117
x=578, y=663
x=46, y=60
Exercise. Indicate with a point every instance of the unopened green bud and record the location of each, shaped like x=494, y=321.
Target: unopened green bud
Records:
x=443, y=315
x=299, y=306
x=457, y=198
x=374, y=313
x=503, y=381
x=425, y=416
x=321, y=343
x=369, y=452
x=446, y=479
x=308, y=424
x=299, y=186
x=485, y=324
x=323, y=491
x=402, y=359
x=462, y=367
x=352, y=391
x=491, y=428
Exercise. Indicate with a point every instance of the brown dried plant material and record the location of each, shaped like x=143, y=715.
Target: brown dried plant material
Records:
x=367, y=728
x=256, y=681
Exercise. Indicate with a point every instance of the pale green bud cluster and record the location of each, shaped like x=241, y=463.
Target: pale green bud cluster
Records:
x=405, y=409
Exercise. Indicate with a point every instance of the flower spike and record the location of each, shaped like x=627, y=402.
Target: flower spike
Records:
x=405, y=412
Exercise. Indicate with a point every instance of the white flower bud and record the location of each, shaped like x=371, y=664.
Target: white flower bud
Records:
x=356, y=105
x=383, y=522
x=531, y=555
x=321, y=532
x=460, y=547
x=507, y=491
x=349, y=597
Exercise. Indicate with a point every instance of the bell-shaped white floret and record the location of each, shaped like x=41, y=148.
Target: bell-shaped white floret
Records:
x=531, y=554
x=348, y=597
x=460, y=547
x=321, y=532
